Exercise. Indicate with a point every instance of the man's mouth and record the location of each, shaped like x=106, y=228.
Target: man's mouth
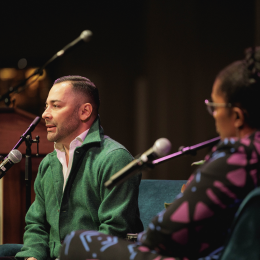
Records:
x=50, y=128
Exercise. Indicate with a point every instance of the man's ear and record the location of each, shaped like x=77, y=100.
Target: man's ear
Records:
x=85, y=111
x=239, y=117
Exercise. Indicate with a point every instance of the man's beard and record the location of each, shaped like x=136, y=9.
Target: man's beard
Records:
x=65, y=129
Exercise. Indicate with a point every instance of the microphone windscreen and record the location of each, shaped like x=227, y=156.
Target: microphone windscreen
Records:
x=15, y=156
x=86, y=35
x=162, y=147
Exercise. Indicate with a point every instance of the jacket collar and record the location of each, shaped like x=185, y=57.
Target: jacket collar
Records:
x=94, y=134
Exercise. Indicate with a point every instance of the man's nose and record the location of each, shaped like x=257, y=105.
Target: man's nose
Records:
x=46, y=114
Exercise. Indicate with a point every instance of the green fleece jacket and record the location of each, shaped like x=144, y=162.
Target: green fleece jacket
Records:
x=85, y=202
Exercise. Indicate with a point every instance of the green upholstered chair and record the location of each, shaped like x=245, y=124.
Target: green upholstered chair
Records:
x=153, y=194
x=243, y=242
x=9, y=250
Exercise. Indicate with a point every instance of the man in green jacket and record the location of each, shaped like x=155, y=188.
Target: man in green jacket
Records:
x=69, y=187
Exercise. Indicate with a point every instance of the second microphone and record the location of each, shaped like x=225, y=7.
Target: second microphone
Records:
x=160, y=148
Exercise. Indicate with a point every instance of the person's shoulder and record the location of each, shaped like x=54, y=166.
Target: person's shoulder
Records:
x=46, y=160
x=110, y=145
x=255, y=142
x=256, y=138
x=233, y=146
x=248, y=143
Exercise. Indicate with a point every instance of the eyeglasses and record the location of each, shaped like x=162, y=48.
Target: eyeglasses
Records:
x=211, y=106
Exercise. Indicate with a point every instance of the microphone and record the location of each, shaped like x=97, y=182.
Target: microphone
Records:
x=160, y=148
x=31, y=127
x=34, y=123
x=84, y=37
x=13, y=157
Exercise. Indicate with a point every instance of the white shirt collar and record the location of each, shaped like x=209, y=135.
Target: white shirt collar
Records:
x=80, y=138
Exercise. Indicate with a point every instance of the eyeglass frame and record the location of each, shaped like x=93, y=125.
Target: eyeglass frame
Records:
x=211, y=106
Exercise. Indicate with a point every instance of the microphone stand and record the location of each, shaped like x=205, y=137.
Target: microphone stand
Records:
x=27, y=137
x=85, y=36
x=137, y=164
x=28, y=167
x=22, y=84
x=186, y=150
x=6, y=96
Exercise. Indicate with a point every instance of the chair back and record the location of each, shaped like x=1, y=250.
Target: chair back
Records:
x=153, y=194
x=244, y=240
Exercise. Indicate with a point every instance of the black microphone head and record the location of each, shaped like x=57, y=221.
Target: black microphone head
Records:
x=15, y=156
x=162, y=147
x=36, y=121
x=86, y=35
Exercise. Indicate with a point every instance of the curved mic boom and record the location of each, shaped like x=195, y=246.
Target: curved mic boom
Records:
x=160, y=148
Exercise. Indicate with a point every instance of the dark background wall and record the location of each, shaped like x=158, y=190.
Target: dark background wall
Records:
x=154, y=62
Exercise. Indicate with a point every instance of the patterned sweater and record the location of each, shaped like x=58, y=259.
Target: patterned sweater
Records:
x=196, y=223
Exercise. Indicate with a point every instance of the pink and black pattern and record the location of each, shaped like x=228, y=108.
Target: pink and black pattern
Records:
x=196, y=223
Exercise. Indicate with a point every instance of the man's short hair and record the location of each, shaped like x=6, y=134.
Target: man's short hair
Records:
x=84, y=87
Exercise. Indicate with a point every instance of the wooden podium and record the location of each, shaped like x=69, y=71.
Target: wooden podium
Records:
x=13, y=123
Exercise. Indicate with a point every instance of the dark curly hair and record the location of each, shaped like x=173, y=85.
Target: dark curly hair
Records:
x=240, y=85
